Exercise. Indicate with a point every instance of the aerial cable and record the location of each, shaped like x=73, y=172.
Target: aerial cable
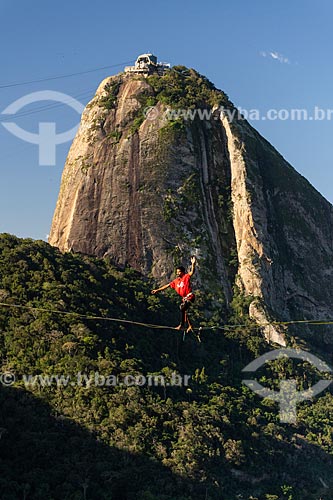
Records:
x=83, y=95
x=148, y=325
x=85, y=316
x=59, y=77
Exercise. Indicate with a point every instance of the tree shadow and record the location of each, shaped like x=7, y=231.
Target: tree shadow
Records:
x=48, y=457
x=45, y=456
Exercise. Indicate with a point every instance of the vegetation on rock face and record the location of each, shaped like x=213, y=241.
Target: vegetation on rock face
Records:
x=109, y=100
x=179, y=88
x=212, y=439
x=185, y=88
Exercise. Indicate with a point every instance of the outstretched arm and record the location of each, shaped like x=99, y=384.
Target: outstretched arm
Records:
x=193, y=263
x=160, y=289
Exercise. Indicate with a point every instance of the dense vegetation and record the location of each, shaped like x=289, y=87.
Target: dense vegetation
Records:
x=212, y=439
x=180, y=88
x=185, y=88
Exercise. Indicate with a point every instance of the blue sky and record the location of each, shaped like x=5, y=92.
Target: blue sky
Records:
x=264, y=55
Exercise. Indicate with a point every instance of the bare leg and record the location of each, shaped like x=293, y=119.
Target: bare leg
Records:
x=182, y=316
x=187, y=319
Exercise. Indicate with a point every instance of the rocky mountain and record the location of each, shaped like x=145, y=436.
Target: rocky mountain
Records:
x=157, y=172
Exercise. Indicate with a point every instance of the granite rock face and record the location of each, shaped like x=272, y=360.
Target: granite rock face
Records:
x=148, y=189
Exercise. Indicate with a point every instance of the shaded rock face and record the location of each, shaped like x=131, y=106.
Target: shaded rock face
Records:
x=148, y=192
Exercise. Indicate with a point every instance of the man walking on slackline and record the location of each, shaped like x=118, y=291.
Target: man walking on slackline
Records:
x=182, y=285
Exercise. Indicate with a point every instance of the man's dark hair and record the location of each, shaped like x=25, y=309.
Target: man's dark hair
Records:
x=181, y=268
